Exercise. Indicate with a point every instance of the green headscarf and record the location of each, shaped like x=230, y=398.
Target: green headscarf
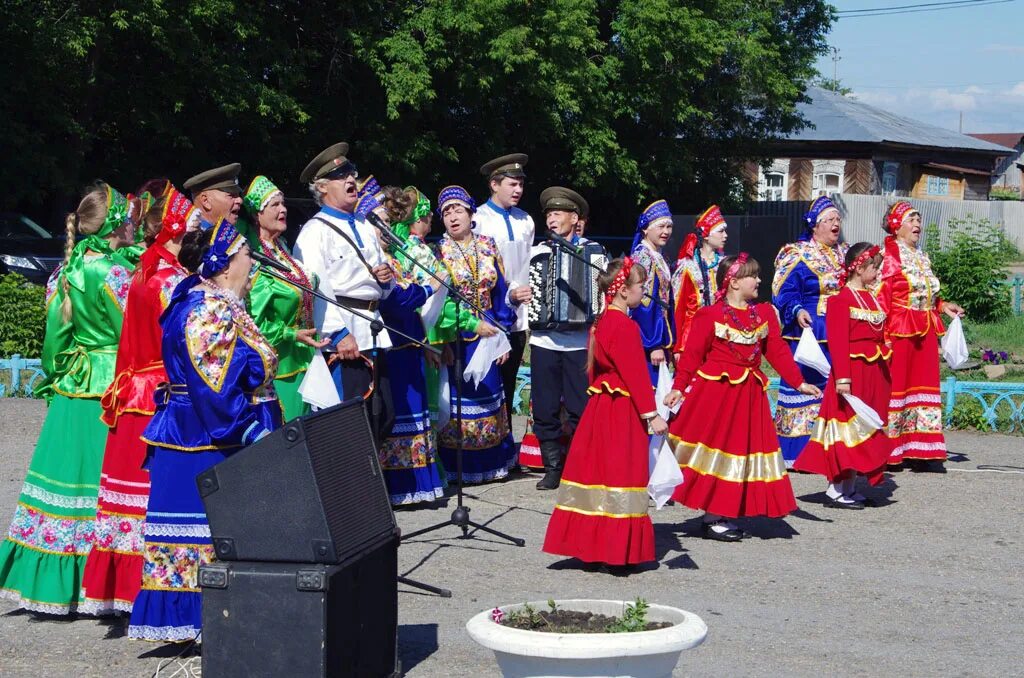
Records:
x=422, y=209
x=117, y=214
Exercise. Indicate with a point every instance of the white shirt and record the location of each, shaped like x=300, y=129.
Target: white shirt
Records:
x=324, y=252
x=558, y=340
x=514, y=238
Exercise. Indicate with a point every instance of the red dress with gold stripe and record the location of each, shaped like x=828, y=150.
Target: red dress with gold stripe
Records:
x=840, y=440
x=724, y=436
x=909, y=294
x=601, y=510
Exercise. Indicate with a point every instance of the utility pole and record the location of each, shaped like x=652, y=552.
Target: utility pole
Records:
x=835, y=68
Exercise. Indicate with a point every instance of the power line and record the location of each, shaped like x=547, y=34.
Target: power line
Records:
x=926, y=4
x=888, y=12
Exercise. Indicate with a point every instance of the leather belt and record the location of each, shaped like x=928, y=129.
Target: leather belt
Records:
x=360, y=304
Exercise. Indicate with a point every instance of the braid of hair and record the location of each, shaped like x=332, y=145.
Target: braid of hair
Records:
x=71, y=229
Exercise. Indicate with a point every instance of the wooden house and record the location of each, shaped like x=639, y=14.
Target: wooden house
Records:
x=1007, y=173
x=852, y=147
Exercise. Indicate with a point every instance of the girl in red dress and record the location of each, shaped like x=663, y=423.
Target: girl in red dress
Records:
x=601, y=511
x=724, y=436
x=113, y=570
x=842, y=444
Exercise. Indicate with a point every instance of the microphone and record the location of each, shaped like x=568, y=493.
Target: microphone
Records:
x=264, y=260
x=385, y=230
x=562, y=242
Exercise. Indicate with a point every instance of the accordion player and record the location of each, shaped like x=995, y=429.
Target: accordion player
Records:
x=564, y=284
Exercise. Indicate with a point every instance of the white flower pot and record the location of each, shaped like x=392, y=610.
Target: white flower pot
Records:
x=536, y=654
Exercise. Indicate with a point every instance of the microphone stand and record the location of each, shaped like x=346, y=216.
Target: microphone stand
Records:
x=460, y=516
x=376, y=325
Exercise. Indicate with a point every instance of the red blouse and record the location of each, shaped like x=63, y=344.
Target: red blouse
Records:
x=855, y=325
x=140, y=366
x=909, y=292
x=719, y=347
x=619, y=362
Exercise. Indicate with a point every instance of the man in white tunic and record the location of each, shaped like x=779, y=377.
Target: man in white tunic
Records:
x=341, y=248
x=513, y=231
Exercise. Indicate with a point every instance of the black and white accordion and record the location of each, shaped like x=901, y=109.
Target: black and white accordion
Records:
x=565, y=293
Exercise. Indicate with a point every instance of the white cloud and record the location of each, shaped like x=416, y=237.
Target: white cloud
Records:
x=1010, y=49
x=943, y=99
x=1015, y=91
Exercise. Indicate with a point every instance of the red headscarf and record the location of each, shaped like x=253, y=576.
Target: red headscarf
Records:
x=706, y=223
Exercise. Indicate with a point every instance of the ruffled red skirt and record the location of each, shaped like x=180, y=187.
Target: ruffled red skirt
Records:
x=840, y=440
x=601, y=509
x=113, y=570
x=915, y=406
x=725, y=442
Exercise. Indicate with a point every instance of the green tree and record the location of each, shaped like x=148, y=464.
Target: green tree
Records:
x=628, y=100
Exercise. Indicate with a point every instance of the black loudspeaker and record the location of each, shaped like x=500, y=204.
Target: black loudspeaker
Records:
x=310, y=492
x=289, y=619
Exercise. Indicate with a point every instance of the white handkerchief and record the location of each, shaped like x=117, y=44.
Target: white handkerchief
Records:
x=317, y=387
x=954, y=345
x=488, y=349
x=444, y=398
x=431, y=309
x=864, y=411
x=663, y=388
x=665, y=475
x=809, y=353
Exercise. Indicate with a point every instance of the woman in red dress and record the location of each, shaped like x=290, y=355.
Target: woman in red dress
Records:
x=842, y=444
x=113, y=570
x=909, y=294
x=731, y=464
x=600, y=514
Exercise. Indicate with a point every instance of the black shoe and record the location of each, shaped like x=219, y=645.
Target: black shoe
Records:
x=729, y=535
x=927, y=466
x=550, y=481
x=851, y=505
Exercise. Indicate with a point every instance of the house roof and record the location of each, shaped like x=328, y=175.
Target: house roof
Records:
x=1011, y=139
x=838, y=118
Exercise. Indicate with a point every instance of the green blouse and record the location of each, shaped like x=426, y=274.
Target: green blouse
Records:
x=79, y=355
x=280, y=309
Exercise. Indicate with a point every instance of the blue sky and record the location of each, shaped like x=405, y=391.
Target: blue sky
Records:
x=932, y=65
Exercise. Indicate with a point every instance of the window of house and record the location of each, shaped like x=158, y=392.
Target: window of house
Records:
x=773, y=186
x=890, y=174
x=827, y=183
x=937, y=185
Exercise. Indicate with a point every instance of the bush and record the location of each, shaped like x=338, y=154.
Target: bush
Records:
x=1004, y=193
x=971, y=267
x=22, y=317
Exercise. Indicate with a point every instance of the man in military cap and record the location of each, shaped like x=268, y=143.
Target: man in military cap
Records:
x=558, y=357
x=216, y=194
x=341, y=248
x=513, y=231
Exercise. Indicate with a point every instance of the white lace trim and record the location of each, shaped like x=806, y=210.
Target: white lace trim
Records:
x=164, y=514
x=100, y=608
x=54, y=499
x=915, y=399
x=171, y=633
x=34, y=606
x=905, y=447
x=173, y=530
x=417, y=497
x=800, y=399
x=127, y=483
x=124, y=498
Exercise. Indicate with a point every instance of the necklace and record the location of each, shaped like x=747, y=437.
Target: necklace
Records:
x=240, y=315
x=755, y=322
x=294, y=274
x=473, y=266
x=832, y=256
x=860, y=303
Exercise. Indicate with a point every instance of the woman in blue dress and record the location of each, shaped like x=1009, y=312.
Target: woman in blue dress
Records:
x=655, y=313
x=408, y=453
x=806, y=275
x=220, y=399
x=475, y=268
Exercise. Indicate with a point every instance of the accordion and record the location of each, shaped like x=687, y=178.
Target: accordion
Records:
x=565, y=293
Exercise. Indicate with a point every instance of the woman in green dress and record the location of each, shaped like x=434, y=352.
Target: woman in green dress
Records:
x=282, y=311
x=44, y=553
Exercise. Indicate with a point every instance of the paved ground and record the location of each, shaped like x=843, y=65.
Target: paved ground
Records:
x=928, y=584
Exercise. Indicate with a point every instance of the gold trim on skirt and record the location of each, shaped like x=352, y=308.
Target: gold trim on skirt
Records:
x=601, y=500
x=735, y=468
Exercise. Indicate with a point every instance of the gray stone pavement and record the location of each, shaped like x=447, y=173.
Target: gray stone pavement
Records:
x=928, y=584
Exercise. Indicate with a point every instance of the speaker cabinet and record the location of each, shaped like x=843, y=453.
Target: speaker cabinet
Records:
x=310, y=492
